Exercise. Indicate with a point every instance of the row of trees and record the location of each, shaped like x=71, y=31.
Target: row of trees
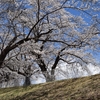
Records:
x=37, y=36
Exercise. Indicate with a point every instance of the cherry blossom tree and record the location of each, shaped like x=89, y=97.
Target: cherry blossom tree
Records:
x=22, y=65
x=8, y=78
x=48, y=31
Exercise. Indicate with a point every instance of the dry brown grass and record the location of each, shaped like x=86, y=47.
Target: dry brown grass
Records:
x=86, y=88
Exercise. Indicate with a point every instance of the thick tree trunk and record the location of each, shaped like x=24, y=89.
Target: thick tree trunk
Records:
x=3, y=56
x=53, y=74
x=49, y=76
x=1, y=60
x=27, y=81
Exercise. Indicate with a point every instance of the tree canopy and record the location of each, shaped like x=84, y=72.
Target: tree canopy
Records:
x=43, y=34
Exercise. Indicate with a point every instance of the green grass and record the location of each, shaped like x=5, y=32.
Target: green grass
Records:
x=86, y=88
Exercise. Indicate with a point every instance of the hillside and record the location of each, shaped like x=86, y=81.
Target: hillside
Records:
x=86, y=88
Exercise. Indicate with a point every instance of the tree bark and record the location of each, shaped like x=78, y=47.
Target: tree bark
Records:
x=3, y=55
x=53, y=74
x=49, y=76
x=27, y=81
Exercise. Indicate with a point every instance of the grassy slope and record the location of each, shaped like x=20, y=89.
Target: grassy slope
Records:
x=86, y=88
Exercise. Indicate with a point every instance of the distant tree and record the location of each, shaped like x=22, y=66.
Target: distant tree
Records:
x=22, y=65
x=46, y=30
x=8, y=78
